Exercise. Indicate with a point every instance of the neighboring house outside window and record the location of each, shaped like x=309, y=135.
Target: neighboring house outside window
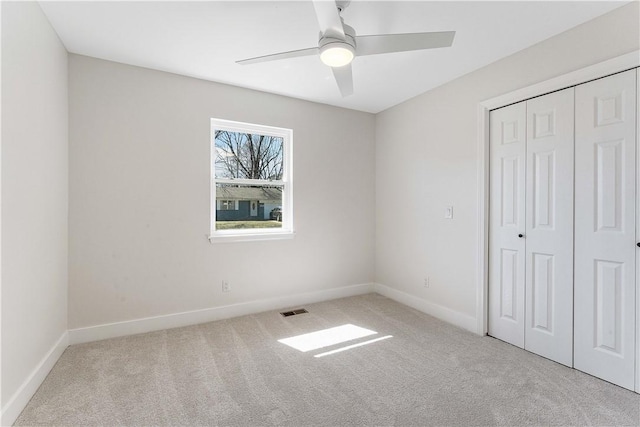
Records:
x=251, y=186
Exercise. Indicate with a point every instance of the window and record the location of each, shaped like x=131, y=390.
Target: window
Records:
x=251, y=193
x=227, y=205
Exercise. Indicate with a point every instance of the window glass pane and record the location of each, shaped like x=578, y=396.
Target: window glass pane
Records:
x=248, y=206
x=227, y=205
x=248, y=156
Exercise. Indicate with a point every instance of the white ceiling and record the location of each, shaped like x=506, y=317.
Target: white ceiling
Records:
x=204, y=39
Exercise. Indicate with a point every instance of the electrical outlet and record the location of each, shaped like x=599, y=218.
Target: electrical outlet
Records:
x=426, y=282
x=226, y=287
x=448, y=212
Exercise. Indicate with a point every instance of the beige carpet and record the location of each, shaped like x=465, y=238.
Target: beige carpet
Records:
x=235, y=372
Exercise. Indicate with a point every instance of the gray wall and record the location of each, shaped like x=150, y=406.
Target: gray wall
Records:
x=139, y=196
x=34, y=191
x=429, y=146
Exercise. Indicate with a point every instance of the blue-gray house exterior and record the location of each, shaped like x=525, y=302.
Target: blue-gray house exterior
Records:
x=246, y=203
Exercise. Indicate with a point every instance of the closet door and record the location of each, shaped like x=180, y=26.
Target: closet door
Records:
x=605, y=235
x=507, y=223
x=638, y=232
x=549, y=227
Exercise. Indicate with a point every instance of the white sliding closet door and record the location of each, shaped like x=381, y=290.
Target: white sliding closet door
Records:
x=506, y=223
x=605, y=235
x=549, y=227
x=638, y=232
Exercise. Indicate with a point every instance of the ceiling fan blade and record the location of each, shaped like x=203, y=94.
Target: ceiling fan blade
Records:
x=329, y=18
x=388, y=43
x=278, y=56
x=344, y=78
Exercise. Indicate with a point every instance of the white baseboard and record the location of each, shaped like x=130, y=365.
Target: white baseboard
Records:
x=176, y=320
x=456, y=318
x=19, y=400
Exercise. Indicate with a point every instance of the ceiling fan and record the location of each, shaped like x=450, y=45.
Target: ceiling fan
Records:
x=338, y=43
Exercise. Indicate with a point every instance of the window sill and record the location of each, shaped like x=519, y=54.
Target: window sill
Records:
x=220, y=237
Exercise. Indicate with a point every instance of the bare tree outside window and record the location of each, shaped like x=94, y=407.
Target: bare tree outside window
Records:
x=248, y=156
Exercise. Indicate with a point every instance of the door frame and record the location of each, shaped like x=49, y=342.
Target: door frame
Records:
x=615, y=65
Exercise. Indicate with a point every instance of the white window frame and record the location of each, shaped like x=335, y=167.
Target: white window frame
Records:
x=240, y=235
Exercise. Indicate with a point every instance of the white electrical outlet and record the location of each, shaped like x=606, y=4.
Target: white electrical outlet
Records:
x=426, y=282
x=448, y=212
x=226, y=287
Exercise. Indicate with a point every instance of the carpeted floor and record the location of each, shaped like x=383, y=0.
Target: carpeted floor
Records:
x=235, y=372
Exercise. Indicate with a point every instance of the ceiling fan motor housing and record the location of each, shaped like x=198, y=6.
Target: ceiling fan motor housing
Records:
x=329, y=43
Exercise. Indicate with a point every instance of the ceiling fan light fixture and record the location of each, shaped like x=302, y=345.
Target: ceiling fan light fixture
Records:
x=337, y=54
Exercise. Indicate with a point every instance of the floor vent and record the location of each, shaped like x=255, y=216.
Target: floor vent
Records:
x=293, y=312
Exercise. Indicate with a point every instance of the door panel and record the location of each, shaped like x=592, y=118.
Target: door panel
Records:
x=544, y=182
x=549, y=226
x=542, y=300
x=605, y=218
x=506, y=221
x=608, y=306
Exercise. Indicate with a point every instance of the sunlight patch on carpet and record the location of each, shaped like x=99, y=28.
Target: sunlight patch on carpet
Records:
x=326, y=337
x=349, y=347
